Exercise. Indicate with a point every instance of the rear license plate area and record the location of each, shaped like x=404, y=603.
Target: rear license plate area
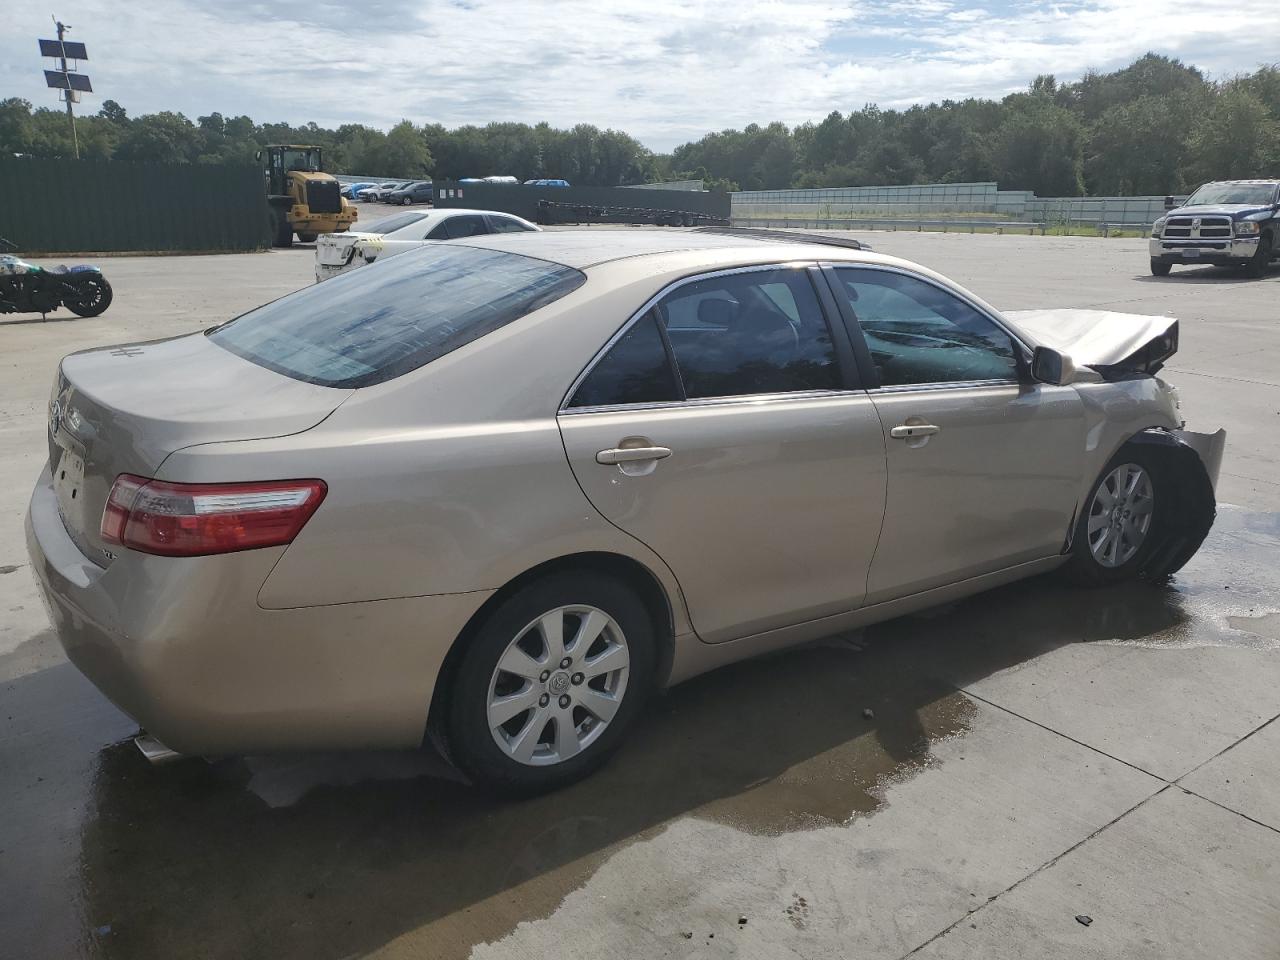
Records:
x=68, y=481
x=1191, y=254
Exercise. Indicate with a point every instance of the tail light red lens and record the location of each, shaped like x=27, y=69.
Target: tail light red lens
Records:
x=196, y=519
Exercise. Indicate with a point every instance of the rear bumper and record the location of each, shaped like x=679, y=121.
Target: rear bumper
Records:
x=181, y=646
x=1236, y=250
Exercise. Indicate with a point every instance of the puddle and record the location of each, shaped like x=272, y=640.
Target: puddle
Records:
x=338, y=855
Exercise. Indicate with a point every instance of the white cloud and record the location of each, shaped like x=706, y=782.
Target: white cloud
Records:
x=663, y=70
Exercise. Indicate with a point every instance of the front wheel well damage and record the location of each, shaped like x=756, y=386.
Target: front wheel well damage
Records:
x=1194, y=507
x=625, y=569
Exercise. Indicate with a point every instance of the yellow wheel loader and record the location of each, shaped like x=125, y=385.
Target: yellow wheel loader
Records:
x=301, y=197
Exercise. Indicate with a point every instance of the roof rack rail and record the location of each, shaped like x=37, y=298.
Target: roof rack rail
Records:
x=790, y=236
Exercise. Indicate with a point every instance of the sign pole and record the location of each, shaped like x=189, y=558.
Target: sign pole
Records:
x=75, y=137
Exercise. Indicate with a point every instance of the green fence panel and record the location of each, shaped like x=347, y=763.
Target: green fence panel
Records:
x=87, y=206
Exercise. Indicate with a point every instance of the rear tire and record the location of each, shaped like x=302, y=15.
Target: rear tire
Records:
x=562, y=721
x=95, y=300
x=1257, y=265
x=307, y=237
x=1160, y=268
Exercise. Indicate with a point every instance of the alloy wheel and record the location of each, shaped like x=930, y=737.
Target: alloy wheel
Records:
x=1120, y=515
x=557, y=685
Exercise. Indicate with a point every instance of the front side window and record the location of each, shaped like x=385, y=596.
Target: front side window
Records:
x=761, y=331
x=918, y=333
x=465, y=226
x=370, y=326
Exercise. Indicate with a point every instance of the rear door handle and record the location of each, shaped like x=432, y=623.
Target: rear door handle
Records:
x=632, y=454
x=909, y=432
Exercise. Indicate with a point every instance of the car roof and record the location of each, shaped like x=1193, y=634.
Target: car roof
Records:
x=1265, y=181
x=582, y=249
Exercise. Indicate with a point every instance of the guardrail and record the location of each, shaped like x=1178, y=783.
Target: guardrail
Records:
x=919, y=225
x=889, y=223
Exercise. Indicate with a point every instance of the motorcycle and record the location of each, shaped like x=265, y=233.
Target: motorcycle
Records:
x=27, y=288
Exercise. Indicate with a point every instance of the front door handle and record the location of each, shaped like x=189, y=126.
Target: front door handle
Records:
x=911, y=431
x=632, y=454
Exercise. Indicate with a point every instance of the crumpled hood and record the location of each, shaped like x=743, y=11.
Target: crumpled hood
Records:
x=1102, y=338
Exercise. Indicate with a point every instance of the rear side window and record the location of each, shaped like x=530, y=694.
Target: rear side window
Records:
x=369, y=326
x=507, y=225
x=635, y=370
x=761, y=331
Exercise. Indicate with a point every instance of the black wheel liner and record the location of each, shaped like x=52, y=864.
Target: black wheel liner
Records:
x=1195, y=507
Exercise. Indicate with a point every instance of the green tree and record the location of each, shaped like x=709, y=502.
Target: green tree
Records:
x=1236, y=138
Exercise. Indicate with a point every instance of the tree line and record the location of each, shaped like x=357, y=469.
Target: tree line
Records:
x=1156, y=126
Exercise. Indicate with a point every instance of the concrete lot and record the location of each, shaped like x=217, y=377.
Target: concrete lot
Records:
x=1036, y=754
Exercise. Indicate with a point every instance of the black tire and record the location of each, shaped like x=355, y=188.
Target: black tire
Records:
x=281, y=231
x=307, y=237
x=95, y=296
x=1160, y=268
x=471, y=743
x=1183, y=510
x=1257, y=265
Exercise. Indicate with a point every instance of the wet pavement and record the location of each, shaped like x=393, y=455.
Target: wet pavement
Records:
x=335, y=856
x=962, y=783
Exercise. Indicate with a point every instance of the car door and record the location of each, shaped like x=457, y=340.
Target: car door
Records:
x=984, y=466
x=722, y=428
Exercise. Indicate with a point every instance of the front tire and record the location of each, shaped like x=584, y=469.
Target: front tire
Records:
x=1256, y=266
x=1122, y=520
x=551, y=682
x=1160, y=268
x=95, y=297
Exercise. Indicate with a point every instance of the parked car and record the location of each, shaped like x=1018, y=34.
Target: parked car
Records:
x=500, y=180
x=546, y=183
x=420, y=191
x=374, y=194
x=339, y=253
x=498, y=490
x=351, y=190
x=1230, y=222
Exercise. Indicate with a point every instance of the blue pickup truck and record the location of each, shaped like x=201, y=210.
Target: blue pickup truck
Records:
x=1231, y=222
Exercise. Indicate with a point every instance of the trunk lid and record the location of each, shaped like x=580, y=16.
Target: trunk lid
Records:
x=124, y=409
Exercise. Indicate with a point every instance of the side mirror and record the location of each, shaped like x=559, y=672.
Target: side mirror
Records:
x=1050, y=366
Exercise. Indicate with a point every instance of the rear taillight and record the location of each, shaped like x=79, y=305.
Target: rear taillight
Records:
x=195, y=519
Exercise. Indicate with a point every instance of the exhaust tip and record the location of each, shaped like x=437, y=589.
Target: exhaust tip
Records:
x=155, y=751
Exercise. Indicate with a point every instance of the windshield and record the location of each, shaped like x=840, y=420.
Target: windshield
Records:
x=393, y=223
x=308, y=161
x=373, y=325
x=1255, y=193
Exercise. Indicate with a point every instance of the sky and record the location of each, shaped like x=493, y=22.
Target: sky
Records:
x=664, y=71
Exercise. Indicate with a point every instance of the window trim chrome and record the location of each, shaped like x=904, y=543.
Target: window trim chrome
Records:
x=739, y=399
x=653, y=302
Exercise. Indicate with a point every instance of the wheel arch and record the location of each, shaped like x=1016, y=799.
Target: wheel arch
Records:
x=647, y=585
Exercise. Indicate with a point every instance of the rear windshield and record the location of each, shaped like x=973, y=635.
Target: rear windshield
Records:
x=376, y=323
x=390, y=224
